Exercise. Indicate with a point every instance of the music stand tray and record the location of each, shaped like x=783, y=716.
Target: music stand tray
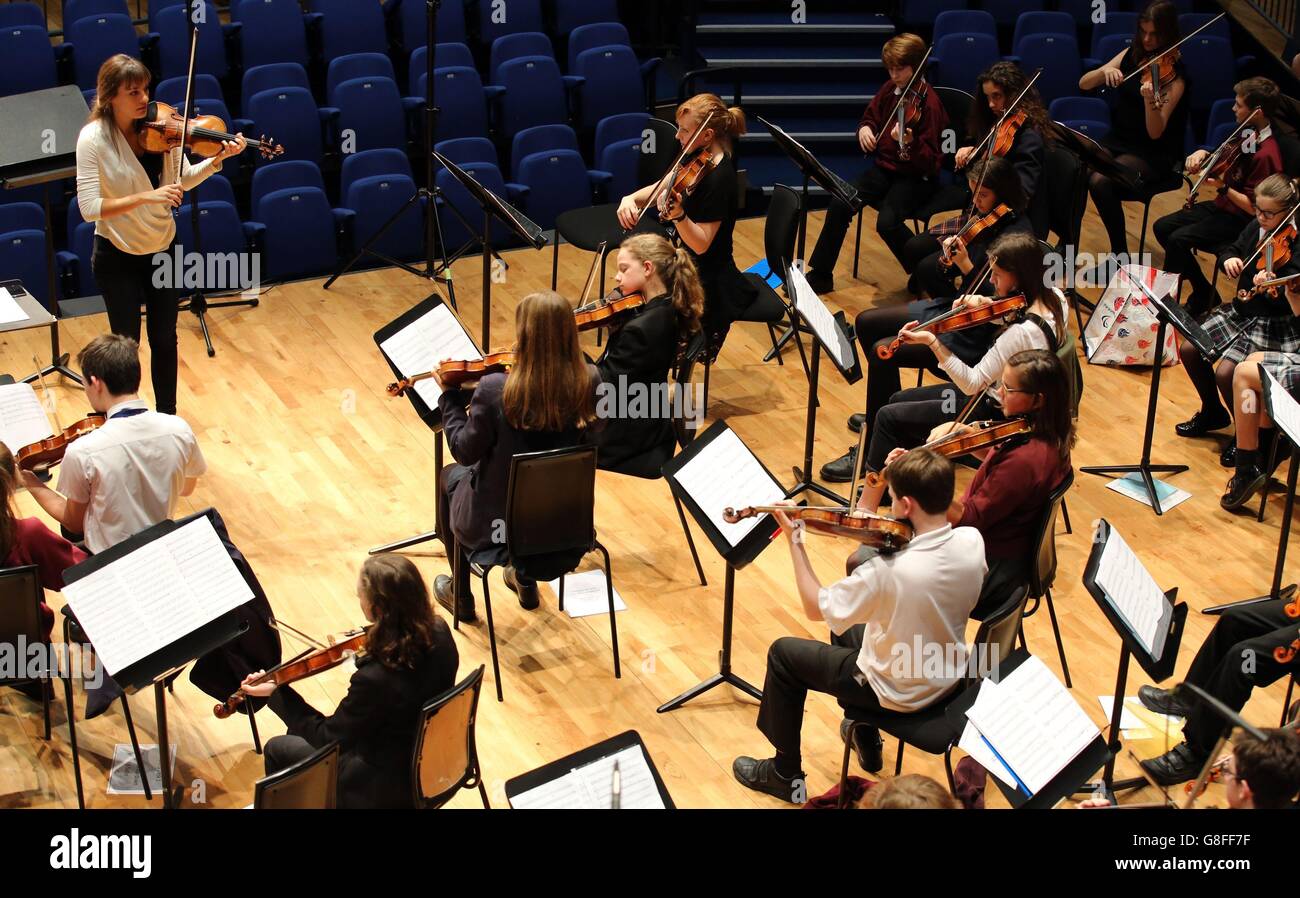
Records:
x=581, y=758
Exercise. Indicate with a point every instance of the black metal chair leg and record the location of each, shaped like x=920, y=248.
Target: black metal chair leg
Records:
x=843, y=800
x=898, y=762
x=947, y=766
x=482, y=793
x=690, y=541
x=1060, y=646
x=1146, y=213
x=613, y=619
x=555, y=260
x=1065, y=516
x=708, y=366
x=562, y=576
x=857, y=244
x=492, y=636
x=252, y=724
x=1286, y=703
x=1268, y=481
x=72, y=728
x=139, y=757
x=771, y=333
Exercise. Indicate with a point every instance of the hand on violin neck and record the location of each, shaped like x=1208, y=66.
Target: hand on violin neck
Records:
x=251, y=686
x=1196, y=160
x=910, y=334
x=231, y=148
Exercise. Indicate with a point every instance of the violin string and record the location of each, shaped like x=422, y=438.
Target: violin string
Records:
x=293, y=631
x=663, y=182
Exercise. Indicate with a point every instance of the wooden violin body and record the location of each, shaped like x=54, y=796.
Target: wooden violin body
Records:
x=455, y=374
x=972, y=229
x=960, y=319
x=1007, y=130
x=985, y=434
x=305, y=665
x=885, y=533
x=1160, y=71
x=686, y=178
x=49, y=452
x=600, y=313
x=160, y=132
x=909, y=115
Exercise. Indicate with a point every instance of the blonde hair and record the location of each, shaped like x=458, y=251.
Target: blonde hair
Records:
x=727, y=123
x=549, y=388
x=117, y=72
x=910, y=791
x=676, y=269
x=1280, y=188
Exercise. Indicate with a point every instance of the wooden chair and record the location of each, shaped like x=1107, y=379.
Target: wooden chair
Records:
x=311, y=784
x=446, y=756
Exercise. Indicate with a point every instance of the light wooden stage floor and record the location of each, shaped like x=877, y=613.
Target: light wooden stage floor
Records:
x=311, y=464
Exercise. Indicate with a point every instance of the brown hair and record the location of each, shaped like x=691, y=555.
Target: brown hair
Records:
x=550, y=386
x=1010, y=78
x=113, y=359
x=903, y=49
x=923, y=475
x=1163, y=14
x=403, y=631
x=117, y=72
x=8, y=486
x=1278, y=186
x=727, y=123
x=678, y=273
x=1022, y=255
x=1001, y=177
x=1271, y=768
x=1259, y=93
x=910, y=791
x=1044, y=374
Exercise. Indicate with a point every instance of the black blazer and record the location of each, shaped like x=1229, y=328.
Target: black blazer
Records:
x=375, y=724
x=1261, y=305
x=635, y=366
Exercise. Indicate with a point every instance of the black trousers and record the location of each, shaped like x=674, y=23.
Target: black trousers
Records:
x=877, y=327
x=1202, y=227
x=910, y=415
x=921, y=260
x=449, y=477
x=795, y=666
x=893, y=196
x=280, y=752
x=126, y=280
x=1236, y=657
x=1109, y=196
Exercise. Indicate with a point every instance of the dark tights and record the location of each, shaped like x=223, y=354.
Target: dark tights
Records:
x=1211, y=382
x=1109, y=196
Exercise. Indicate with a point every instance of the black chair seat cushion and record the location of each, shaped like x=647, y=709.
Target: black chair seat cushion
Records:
x=767, y=306
x=536, y=567
x=587, y=228
x=648, y=465
x=927, y=729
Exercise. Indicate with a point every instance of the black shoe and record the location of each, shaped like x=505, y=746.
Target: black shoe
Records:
x=761, y=776
x=820, y=282
x=1244, y=484
x=443, y=591
x=1228, y=457
x=856, y=420
x=870, y=752
x=841, y=469
x=1178, y=765
x=1163, y=701
x=527, y=592
x=1203, y=422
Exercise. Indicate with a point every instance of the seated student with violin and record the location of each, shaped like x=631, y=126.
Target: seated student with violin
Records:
x=1148, y=123
x=1019, y=272
x=1235, y=172
x=903, y=167
x=1257, y=320
x=920, y=595
x=409, y=657
x=546, y=400
x=644, y=345
x=701, y=206
x=1017, y=473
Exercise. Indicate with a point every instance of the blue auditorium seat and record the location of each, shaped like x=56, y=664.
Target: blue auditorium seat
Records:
x=271, y=31
x=348, y=26
x=291, y=117
x=444, y=56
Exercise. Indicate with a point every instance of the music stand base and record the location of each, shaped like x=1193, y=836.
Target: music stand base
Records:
x=416, y=540
x=199, y=306
x=716, y=680
x=58, y=365
x=1146, y=470
x=1135, y=782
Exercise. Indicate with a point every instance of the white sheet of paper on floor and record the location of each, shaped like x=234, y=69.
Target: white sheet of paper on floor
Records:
x=585, y=594
x=590, y=787
x=1131, y=485
x=1127, y=719
x=124, y=776
x=10, y=311
x=22, y=417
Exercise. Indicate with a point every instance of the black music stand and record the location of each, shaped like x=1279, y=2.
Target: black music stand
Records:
x=1158, y=662
x=591, y=754
x=158, y=668
x=1166, y=315
x=812, y=171
x=25, y=162
x=493, y=207
x=736, y=556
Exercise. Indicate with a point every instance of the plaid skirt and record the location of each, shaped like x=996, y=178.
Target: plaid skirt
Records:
x=1279, y=334
x=1285, y=366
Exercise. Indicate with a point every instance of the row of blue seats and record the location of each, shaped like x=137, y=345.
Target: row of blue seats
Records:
x=919, y=13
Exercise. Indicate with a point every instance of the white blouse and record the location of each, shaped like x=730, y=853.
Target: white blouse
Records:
x=107, y=168
x=988, y=370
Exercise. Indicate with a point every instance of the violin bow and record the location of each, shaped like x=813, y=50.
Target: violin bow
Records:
x=988, y=138
x=189, y=96
x=971, y=403
x=49, y=401
x=1155, y=60
x=902, y=97
x=293, y=631
x=1267, y=242
x=857, y=466
x=591, y=276
x=1212, y=159
x=662, y=183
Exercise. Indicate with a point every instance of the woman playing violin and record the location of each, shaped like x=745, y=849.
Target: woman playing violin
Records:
x=1018, y=266
x=1149, y=121
x=410, y=658
x=547, y=400
x=704, y=220
x=643, y=347
x=129, y=195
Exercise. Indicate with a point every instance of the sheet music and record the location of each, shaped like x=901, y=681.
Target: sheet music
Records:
x=22, y=417
x=725, y=474
x=590, y=787
x=426, y=342
x=1282, y=407
x=1132, y=592
x=821, y=320
x=1033, y=723
x=157, y=594
x=10, y=311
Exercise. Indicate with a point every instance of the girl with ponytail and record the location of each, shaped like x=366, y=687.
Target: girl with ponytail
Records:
x=703, y=222
x=643, y=347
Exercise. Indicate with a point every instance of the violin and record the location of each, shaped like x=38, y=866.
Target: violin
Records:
x=686, y=177
x=984, y=435
x=960, y=319
x=884, y=533
x=49, y=452
x=1160, y=73
x=1220, y=162
x=971, y=229
x=454, y=374
x=308, y=664
x=602, y=311
x=909, y=107
x=1006, y=133
x=1269, y=287
x=160, y=132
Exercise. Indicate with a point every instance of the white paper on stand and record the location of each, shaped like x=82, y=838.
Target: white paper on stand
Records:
x=590, y=787
x=22, y=417
x=724, y=474
x=426, y=342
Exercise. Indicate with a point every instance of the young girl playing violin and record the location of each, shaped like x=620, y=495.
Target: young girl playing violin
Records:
x=410, y=658
x=898, y=181
x=643, y=347
x=705, y=219
x=1149, y=122
x=129, y=195
x=546, y=401
x=1210, y=224
x=1018, y=267
x=1253, y=322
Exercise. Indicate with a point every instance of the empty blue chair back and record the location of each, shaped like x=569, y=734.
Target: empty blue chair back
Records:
x=622, y=159
x=961, y=58
x=376, y=199
x=172, y=90
x=500, y=17
x=602, y=34
x=964, y=21
x=613, y=83
x=573, y=14
x=291, y=116
x=357, y=65
x=81, y=9
x=1221, y=114
x=1190, y=21
x=22, y=257
x=282, y=176
x=534, y=94
x=14, y=14
x=513, y=46
x=1058, y=56
x=1112, y=45
x=173, y=27
x=414, y=29
x=557, y=181
x=1211, y=68
x=540, y=139
x=625, y=126
x=216, y=188
x=220, y=234
x=371, y=163
x=81, y=244
x=273, y=31
x=464, y=150
x=1041, y=22
x=96, y=38
x=454, y=233
x=444, y=56
x=371, y=109
x=349, y=26
x=29, y=60
x=273, y=76
x=459, y=94
x=299, y=239
x=1124, y=23
x=21, y=217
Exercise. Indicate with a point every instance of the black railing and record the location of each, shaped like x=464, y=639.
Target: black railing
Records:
x=1281, y=14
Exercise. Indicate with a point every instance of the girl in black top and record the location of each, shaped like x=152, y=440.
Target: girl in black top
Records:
x=705, y=219
x=643, y=347
x=410, y=658
x=1144, y=137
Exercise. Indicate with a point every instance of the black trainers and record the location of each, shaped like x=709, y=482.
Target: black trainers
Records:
x=444, y=592
x=1162, y=701
x=841, y=469
x=821, y=282
x=856, y=420
x=870, y=751
x=1244, y=484
x=529, y=598
x=761, y=776
x=1178, y=765
x=1201, y=423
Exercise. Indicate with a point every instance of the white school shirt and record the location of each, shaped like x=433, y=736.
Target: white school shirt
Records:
x=914, y=603
x=988, y=370
x=130, y=472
